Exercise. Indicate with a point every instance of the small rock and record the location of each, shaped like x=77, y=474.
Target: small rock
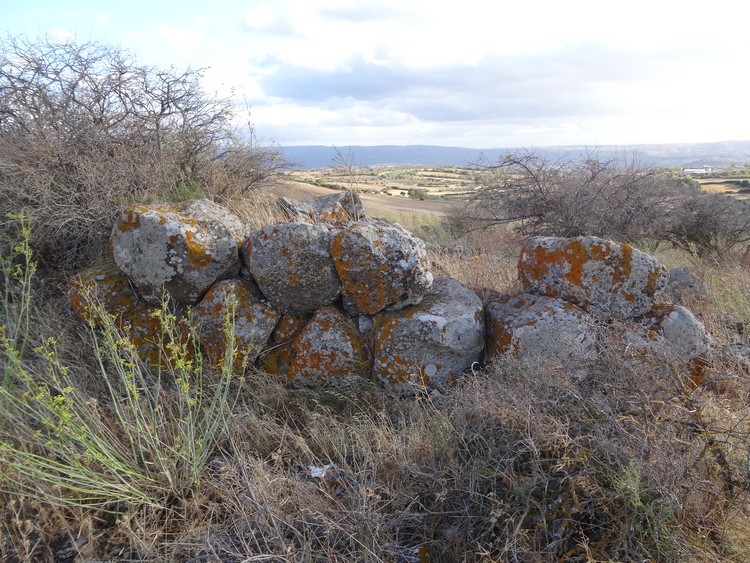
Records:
x=328, y=347
x=539, y=328
x=103, y=285
x=183, y=248
x=253, y=322
x=337, y=209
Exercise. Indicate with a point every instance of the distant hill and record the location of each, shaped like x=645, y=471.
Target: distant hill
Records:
x=719, y=154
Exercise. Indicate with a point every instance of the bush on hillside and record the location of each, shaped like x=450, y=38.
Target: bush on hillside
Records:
x=85, y=129
x=619, y=199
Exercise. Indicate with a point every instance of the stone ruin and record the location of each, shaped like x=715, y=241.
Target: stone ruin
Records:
x=332, y=293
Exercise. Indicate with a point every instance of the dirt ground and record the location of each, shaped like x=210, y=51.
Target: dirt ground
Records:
x=375, y=204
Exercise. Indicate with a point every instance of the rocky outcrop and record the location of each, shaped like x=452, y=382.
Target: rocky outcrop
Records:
x=381, y=266
x=432, y=343
x=237, y=305
x=337, y=209
x=608, y=279
x=292, y=265
x=534, y=327
x=181, y=248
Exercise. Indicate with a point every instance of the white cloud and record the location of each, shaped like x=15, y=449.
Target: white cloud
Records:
x=182, y=39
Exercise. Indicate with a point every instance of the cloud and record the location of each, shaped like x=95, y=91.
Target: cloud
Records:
x=182, y=39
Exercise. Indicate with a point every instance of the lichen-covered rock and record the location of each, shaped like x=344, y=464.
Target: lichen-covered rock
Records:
x=535, y=327
x=608, y=279
x=674, y=330
x=183, y=248
x=253, y=321
x=102, y=285
x=432, y=343
x=337, y=209
x=289, y=326
x=292, y=265
x=381, y=266
x=683, y=284
x=159, y=342
x=328, y=347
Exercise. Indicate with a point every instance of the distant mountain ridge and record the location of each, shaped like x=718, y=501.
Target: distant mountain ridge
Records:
x=723, y=153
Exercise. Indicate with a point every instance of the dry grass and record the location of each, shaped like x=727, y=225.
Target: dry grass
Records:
x=516, y=463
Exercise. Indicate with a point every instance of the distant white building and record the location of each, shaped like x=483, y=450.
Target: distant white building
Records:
x=697, y=171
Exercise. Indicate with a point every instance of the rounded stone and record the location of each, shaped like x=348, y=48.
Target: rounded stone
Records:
x=181, y=248
x=252, y=322
x=381, y=266
x=429, y=344
x=608, y=279
x=292, y=265
x=535, y=327
x=328, y=347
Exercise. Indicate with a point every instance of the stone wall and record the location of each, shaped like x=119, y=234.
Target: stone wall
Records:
x=332, y=293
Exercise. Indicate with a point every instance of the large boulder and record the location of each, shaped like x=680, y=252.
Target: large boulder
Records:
x=105, y=286
x=608, y=279
x=432, y=343
x=252, y=322
x=337, y=209
x=292, y=265
x=183, y=248
x=328, y=347
x=539, y=328
x=381, y=266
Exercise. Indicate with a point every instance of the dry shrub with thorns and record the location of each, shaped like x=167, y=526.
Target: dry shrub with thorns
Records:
x=86, y=130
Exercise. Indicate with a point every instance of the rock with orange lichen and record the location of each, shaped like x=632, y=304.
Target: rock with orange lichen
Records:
x=381, y=266
x=432, y=343
x=289, y=326
x=183, y=248
x=337, y=209
x=252, y=321
x=292, y=265
x=328, y=347
x=608, y=279
x=673, y=330
x=539, y=328
x=102, y=285
x=157, y=342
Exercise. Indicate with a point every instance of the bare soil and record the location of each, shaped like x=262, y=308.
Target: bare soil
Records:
x=375, y=204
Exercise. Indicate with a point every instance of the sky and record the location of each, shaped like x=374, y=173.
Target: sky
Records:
x=470, y=73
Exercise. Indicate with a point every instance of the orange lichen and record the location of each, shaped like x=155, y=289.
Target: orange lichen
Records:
x=317, y=361
x=536, y=265
x=623, y=267
x=288, y=328
x=197, y=254
x=132, y=220
x=653, y=278
x=104, y=285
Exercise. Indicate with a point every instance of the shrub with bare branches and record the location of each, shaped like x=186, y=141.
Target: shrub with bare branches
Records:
x=85, y=129
x=618, y=198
